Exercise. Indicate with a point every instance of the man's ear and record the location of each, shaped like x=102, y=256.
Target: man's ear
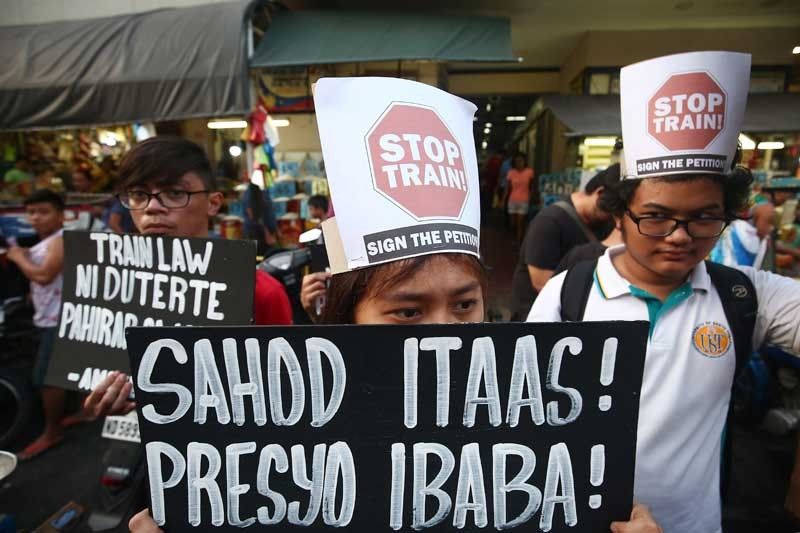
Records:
x=215, y=201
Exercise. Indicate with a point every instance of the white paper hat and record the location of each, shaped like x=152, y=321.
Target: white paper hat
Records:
x=401, y=165
x=682, y=114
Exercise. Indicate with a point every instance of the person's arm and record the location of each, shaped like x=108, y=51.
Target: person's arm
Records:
x=778, y=321
x=539, y=276
x=47, y=271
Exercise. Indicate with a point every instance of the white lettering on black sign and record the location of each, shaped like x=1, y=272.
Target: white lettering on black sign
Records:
x=113, y=282
x=484, y=426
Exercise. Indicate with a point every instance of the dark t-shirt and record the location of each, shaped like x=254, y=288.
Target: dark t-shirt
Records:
x=583, y=252
x=550, y=235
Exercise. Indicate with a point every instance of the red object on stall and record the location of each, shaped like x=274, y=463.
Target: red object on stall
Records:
x=256, y=122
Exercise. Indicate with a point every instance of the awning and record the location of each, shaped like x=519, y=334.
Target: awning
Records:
x=159, y=65
x=585, y=115
x=599, y=115
x=322, y=37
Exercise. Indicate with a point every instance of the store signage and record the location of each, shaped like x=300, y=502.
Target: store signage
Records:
x=116, y=281
x=417, y=163
x=383, y=428
x=687, y=112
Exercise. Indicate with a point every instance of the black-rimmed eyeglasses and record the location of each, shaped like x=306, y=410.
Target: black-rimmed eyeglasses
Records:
x=661, y=226
x=171, y=198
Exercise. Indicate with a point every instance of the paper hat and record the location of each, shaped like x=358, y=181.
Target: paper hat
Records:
x=681, y=114
x=401, y=166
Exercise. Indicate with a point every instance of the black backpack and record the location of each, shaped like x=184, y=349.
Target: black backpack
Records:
x=739, y=302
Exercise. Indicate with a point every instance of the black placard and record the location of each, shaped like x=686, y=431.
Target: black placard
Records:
x=114, y=281
x=593, y=443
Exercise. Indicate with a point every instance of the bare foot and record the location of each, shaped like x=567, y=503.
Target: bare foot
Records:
x=43, y=443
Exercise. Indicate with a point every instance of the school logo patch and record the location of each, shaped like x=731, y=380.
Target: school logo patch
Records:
x=711, y=339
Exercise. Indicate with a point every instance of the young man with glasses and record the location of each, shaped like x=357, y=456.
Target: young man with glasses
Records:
x=169, y=188
x=670, y=221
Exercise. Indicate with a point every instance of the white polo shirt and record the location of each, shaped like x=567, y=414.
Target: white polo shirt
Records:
x=688, y=373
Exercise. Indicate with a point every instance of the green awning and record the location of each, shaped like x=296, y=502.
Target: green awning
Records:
x=297, y=38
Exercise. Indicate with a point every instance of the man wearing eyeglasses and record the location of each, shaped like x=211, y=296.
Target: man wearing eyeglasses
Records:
x=169, y=189
x=670, y=218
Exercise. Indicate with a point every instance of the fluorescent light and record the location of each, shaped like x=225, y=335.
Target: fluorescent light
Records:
x=487, y=131
x=235, y=151
x=488, y=107
x=488, y=124
x=484, y=144
x=796, y=50
x=600, y=141
x=516, y=118
x=474, y=119
x=770, y=145
x=227, y=124
x=280, y=122
x=746, y=142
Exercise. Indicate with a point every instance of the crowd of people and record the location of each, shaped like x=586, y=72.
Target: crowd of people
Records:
x=645, y=241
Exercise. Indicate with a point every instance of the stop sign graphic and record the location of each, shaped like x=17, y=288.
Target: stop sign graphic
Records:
x=417, y=163
x=687, y=112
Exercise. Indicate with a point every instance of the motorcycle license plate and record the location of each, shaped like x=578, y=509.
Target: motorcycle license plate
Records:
x=125, y=428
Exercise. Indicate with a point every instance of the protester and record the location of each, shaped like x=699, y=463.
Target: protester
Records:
x=42, y=265
x=254, y=210
x=555, y=231
x=438, y=285
x=518, y=194
x=318, y=207
x=169, y=189
x=670, y=220
x=745, y=241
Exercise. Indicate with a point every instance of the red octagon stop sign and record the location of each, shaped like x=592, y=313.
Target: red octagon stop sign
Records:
x=687, y=112
x=417, y=163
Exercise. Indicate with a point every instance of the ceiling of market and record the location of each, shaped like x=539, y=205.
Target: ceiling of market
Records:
x=545, y=31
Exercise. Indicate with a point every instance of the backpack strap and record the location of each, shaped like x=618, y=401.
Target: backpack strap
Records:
x=569, y=209
x=740, y=303
x=575, y=290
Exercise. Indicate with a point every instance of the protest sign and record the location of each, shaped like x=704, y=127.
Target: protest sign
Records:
x=385, y=428
x=683, y=113
x=113, y=281
x=405, y=150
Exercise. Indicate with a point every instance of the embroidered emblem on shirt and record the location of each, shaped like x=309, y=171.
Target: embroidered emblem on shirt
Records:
x=711, y=339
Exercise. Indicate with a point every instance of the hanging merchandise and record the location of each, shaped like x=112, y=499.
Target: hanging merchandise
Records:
x=256, y=121
x=271, y=131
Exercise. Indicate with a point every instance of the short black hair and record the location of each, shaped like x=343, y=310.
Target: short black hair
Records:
x=605, y=178
x=164, y=159
x=735, y=187
x=45, y=196
x=318, y=201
